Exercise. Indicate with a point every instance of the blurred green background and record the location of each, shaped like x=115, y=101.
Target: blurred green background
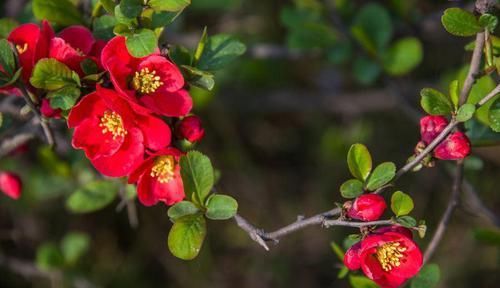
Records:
x=279, y=124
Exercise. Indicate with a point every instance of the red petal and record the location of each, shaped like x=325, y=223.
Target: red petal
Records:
x=351, y=257
x=26, y=34
x=150, y=191
x=79, y=37
x=169, y=74
x=89, y=137
x=90, y=105
x=144, y=167
x=169, y=104
x=63, y=52
x=43, y=44
x=156, y=132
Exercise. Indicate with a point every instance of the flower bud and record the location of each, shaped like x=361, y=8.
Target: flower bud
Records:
x=10, y=184
x=431, y=126
x=367, y=207
x=351, y=257
x=456, y=146
x=191, y=129
x=48, y=111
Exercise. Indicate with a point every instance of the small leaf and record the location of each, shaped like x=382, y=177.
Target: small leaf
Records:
x=141, y=43
x=180, y=55
x=186, y=236
x=401, y=203
x=494, y=115
x=64, y=98
x=182, y=208
x=92, y=196
x=89, y=66
x=351, y=240
x=219, y=51
x=131, y=8
x=361, y=282
x=74, y=245
x=7, y=60
x=465, y=112
x=51, y=74
x=221, y=207
x=108, y=5
x=488, y=21
x=460, y=22
x=375, y=23
x=337, y=250
x=454, y=94
x=198, y=78
x=169, y=5
x=162, y=19
x=351, y=188
x=343, y=272
x=103, y=27
x=382, y=175
x=403, y=56
x=488, y=236
x=359, y=161
x=435, y=102
x=198, y=176
x=365, y=70
x=62, y=12
x=428, y=277
x=407, y=221
x=201, y=46
x=48, y=257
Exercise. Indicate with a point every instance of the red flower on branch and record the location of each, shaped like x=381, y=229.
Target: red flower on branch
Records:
x=367, y=207
x=431, y=127
x=112, y=134
x=10, y=184
x=158, y=178
x=190, y=128
x=152, y=82
x=389, y=258
x=456, y=146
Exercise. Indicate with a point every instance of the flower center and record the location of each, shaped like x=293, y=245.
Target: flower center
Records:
x=389, y=255
x=22, y=48
x=163, y=168
x=146, y=81
x=112, y=123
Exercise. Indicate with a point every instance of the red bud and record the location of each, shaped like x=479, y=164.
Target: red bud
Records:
x=367, y=207
x=431, y=126
x=456, y=146
x=190, y=128
x=10, y=184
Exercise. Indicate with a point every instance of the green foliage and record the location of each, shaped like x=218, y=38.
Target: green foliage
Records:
x=359, y=161
x=181, y=209
x=480, y=134
x=465, y=112
x=489, y=236
x=361, y=282
x=62, y=12
x=372, y=27
x=186, y=236
x=454, y=93
x=337, y=250
x=108, y=5
x=163, y=18
x=460, y=22
x=64, y=98
x=221, y=207
x=198, y=78
x=403, y=56
x=401, y=203
x=351, y=240
x=198, y=176
x=103, y=27
x=48, y=257
x=435, y=102
x=406, y=221
x=131, y=8
x=428, y=277
x=142, y=42
x=51, y=74
x=351, y=188
x=219, y=51
x=6, y=26
x=382, y=175
x=169, y=5
x=494, y=115
x=74, y=246
x=7, y=59
x=488, y=21
x=365, y=70
x=92, y=196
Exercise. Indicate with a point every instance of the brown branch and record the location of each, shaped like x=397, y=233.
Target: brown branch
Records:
x=44, y=122
x=9, y=145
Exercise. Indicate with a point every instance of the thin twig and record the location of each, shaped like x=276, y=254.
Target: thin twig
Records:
x=133, y=220
x=9, y=145
x=474, y=67
x=44, y=122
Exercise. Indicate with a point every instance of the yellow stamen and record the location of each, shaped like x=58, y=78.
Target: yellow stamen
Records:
x=22, y=48
x=112, y=122
x=146, y=81
x=164, y=168
x=390, y=254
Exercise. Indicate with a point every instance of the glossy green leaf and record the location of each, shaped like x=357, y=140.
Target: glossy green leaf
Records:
x=168, y=5
x=131, y=8
x=64, y=98
x=337, y=250
x=460, y=22
x=454, y=93
x=480, y=134
x=62, y=12
x=435, y=102
x=351, y=188
x=182, y=208
x=488, y=21
x=48, y=257
x=74, y=245
x=198, y=78
x=365, y=70
x=465, y=112
x=221, y=207
x=142, y=43
x=108, y=5
x=403, y=56
x=201, y=46
x=219, y=51
x=401, y=203
x=382, y=174
x=164, y=18
x=103, y=27
x=428, y=277
x=361, y=282
x=51, y=74
x=359, y=161
x=198, y=176
x=92, y=196
x=186, y=236
x=7, y=59
x=407, y=221
x=494, y=115
x=373, y=26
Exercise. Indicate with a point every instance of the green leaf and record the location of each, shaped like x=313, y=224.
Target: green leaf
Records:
x=372, y=27
x=142, y=43
x=198, y=176
x=181, y=55
x=201, y=46
x=108, y=5
x=186, y=236
x=62, y=12
x=51, y=74
x=460, y=22
x=382, y=175
x=454, y=93
x=465, y=112
x=219, y=51
x=361, y=282
x=131, y=8
x=122, y=19
x=351, y=188
x=221, y=207
x=311, y=35
x=337, y=250
x=169, y=5
x=428, y=277
x=359, y=161
x=480, y=134
x=92, y=196
x=74, y=245
x=64, y=98
x=343, y=272
x=351, y=240
x=182, y=208
x=488, y=21
x=435, y=102
x=365, y=70
x=401, y=203
x=7, y=60
x=489, y=236
x=403, y=56
x=103, y=27
x=6, y=26
x=89, y=67
x=494, y=115
x=198, y=78
x=162, y=19
x=407, y=221
x=48, y=257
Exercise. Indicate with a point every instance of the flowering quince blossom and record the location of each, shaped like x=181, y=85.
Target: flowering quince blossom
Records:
x=388, y=257
x=367, y=207
x=158, y=178
x=431, y=126
x=190, y=128
x=112, y=134
x=456, y=146
x=153, y=83
x=10, y=184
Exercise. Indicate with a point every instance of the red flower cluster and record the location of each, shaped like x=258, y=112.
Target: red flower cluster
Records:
x=367, y=207
x=456, y=146
x=388, y=256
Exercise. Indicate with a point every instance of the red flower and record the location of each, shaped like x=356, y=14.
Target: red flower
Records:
x=152, y=82
x=388, y=258
x=112, y=134
x=10, y=184
x=158, y=178
x=48, y=111
x=190, y=128
x=456, y=146
x=367, y=207
x=431, y=127
x=32, y=44
x=73, y=45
